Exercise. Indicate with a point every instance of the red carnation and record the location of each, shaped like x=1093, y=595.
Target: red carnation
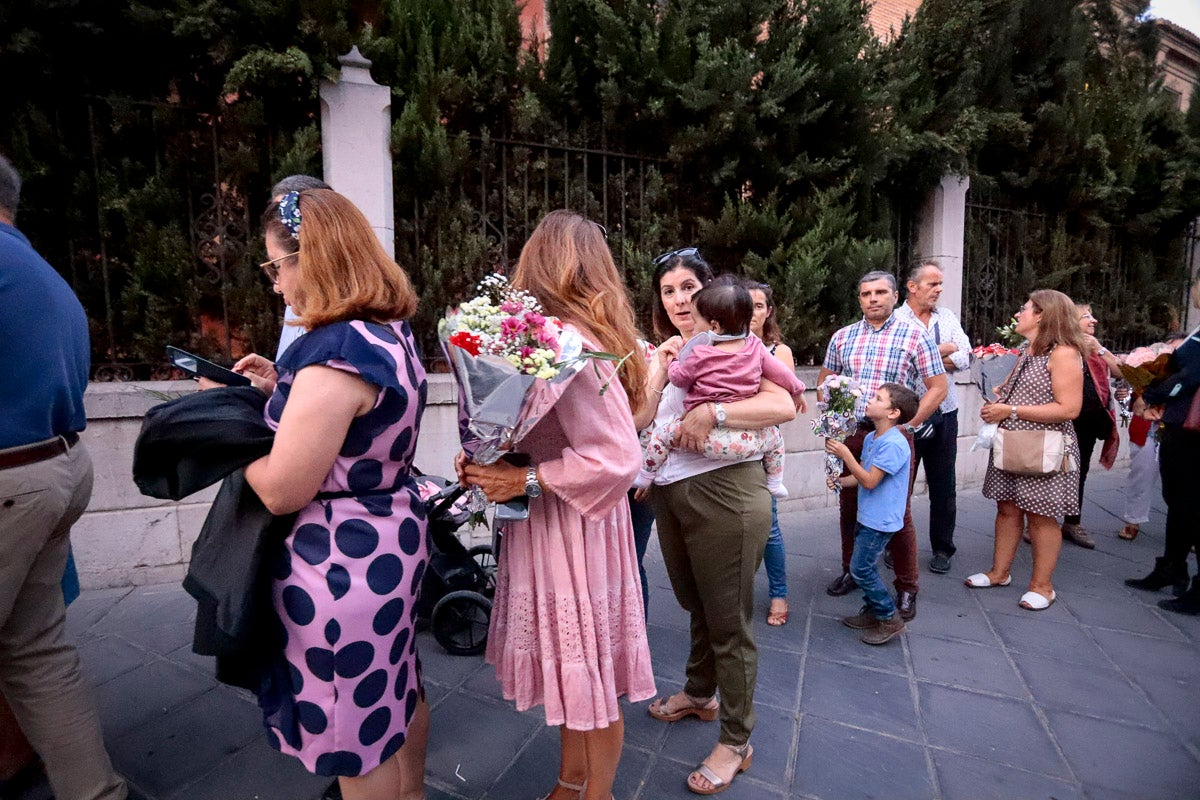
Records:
x=467, y=341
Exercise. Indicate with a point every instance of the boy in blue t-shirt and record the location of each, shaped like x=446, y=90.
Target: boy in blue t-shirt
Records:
x=882, y=480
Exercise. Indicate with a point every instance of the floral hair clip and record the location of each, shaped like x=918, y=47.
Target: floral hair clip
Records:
x=289, y=213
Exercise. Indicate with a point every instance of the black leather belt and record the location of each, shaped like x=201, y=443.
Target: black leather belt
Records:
x=33, y=453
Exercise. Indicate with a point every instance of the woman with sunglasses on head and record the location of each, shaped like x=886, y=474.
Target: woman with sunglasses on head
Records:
x=346, y=404
x=713, y=519
x=765, y=326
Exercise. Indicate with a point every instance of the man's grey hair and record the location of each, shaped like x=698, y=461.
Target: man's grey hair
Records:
x=878, y=275
x=10, y=187
x=914, y=275
x=297, y=183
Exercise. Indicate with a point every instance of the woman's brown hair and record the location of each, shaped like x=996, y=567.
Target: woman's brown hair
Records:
x=1058, y=325
x=344, y=271
x=771, y=332
x=567, y=266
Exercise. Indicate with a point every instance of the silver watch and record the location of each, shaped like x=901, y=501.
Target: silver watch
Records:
x=719, y=413
x=532, y=487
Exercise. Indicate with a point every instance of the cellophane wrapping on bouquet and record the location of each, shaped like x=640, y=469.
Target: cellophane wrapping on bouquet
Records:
x=990, y=367
x=511, y=363
x=836, y=420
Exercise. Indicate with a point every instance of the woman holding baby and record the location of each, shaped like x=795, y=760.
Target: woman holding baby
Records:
x=713, y=513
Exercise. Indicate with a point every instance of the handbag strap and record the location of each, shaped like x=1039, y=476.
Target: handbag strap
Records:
x=1011, y=384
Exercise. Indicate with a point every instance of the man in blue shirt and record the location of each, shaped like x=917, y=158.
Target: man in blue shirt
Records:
x=45, y=485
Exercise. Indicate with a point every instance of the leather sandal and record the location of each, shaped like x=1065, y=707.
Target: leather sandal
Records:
x=705, y=710
x=1129, y=532
x=718, y=783
x=777, y=618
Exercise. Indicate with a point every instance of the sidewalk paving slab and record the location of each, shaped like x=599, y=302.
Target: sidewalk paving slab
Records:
x=1093, y=698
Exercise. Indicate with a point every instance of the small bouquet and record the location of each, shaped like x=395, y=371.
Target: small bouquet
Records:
x=1139, y=369
x=1008, y=334
x=990, y=367
x=504, y=353
x=836, y=420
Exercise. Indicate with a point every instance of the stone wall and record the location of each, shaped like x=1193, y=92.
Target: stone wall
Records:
x=128, y=539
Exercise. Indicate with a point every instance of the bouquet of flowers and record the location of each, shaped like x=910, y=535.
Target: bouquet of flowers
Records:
x=1141, y=367
x=836, y=420
x=504, y=352
x=990, y=367
x=1008, y=334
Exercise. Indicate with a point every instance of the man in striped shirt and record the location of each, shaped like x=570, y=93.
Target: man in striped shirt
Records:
x=879, y=349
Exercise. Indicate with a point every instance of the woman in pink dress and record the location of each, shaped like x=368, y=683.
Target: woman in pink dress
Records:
x=568, y=631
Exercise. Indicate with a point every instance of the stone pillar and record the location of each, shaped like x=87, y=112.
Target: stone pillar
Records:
x=356, y=128
x=940, y=235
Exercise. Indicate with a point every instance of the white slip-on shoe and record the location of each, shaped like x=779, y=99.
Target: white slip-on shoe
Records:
x=1032, y=601
x=980, y=580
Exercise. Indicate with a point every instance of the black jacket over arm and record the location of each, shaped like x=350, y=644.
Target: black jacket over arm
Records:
x=1175, y=391
x=187, y=445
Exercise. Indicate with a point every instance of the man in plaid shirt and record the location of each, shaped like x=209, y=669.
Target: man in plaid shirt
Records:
x=879, y=349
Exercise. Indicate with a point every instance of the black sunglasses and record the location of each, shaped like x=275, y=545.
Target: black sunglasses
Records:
x=603, y=229
x=683, y=252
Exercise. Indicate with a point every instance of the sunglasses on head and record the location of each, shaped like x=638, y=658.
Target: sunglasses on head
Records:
x=683, y=252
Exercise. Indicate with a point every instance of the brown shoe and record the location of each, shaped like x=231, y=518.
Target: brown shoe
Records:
x=1078, y=535
x=862, y=621
x=1129, y=532
x=884, y=631
x=842, y=584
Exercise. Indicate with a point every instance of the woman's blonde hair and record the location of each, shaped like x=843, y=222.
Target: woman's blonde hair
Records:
x=1059, y=323
x=344, y=271
x=567, y=266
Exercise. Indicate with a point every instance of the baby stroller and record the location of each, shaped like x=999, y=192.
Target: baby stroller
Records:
x=459, y=582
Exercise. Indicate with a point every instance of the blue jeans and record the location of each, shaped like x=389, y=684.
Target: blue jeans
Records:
x=868, y=544
x=642, y=515
x=773, y=558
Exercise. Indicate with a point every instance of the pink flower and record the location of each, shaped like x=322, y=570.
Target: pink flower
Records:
x=511, y=327
x=511, y=307
x=534, y=319
x=1139, y=356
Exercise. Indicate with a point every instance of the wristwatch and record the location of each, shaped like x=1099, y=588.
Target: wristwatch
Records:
x=719, y=413
x=532, y=487
x=1012, y=414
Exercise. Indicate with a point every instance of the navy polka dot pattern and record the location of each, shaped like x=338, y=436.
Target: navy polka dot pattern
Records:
x=383, y=576
x=356, y=538
x=346, y=586
x=311, y=542
x=338, y=581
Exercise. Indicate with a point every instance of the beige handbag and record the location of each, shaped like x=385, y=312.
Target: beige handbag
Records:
x=1038, y=452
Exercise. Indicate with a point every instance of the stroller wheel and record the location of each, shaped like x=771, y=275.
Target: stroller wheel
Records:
x=486, y=559
x=459, y=622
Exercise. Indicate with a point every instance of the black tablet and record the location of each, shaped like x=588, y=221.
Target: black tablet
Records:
x=201, y=367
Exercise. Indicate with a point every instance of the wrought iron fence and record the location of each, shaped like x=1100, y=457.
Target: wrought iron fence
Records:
x=479, y=223
x=1136, y=288
x=149, y=221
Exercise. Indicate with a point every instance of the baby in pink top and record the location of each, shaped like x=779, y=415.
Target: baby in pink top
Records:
x=723, y=363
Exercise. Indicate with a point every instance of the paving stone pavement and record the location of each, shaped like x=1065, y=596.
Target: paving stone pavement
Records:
x=1095, y=697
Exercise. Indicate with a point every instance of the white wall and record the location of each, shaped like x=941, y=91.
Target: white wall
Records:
x=128, y=539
